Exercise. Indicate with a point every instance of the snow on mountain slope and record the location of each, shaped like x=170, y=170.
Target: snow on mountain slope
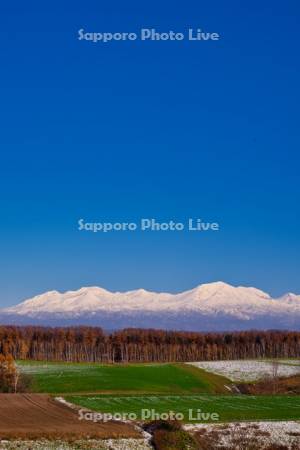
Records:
x=208, y=306
x=290, y=298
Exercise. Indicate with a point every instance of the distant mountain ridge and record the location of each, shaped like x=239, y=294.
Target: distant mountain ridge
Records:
x=209, y=307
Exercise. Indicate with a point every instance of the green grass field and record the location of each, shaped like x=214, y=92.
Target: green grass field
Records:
x=228, y=407
x=60, y=378
x=162, y=387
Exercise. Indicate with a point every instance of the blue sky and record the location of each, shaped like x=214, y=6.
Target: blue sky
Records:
x=171, y=130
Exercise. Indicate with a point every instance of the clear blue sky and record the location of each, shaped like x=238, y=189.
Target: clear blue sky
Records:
x=149, y=129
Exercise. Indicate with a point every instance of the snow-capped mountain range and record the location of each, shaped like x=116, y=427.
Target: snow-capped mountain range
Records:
x=208, y=307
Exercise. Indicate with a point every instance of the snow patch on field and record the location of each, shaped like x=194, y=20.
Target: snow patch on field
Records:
x=106, y=444
x=292, y=362
x=262, y=433
x=38, y=369
x=247, y=370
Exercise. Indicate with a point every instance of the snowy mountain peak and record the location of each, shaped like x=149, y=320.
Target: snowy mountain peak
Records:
x=137, y=292
x=210, y=288
x=207, y=306
x=290, y=297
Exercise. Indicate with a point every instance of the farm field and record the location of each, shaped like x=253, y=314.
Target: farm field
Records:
x=60, y=378
x=228, y=407
x=165, y=388
x=34, y=416
x=249, y=370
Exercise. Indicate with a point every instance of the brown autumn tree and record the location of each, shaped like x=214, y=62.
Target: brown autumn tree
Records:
x=9, y=375
x=91, y=344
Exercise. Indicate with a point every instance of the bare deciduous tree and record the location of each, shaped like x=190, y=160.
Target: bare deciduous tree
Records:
x=91, y=344
x=275, y=367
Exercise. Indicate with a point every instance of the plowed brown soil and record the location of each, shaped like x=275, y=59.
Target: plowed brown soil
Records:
x=33, y=416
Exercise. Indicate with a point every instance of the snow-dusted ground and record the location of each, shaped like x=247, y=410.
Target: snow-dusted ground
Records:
x=36, y=368
x=262, y=433
x=247, y=370
x=107, y=444
x=292, y=362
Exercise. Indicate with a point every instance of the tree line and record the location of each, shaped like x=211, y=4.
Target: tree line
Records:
x=91, y=344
